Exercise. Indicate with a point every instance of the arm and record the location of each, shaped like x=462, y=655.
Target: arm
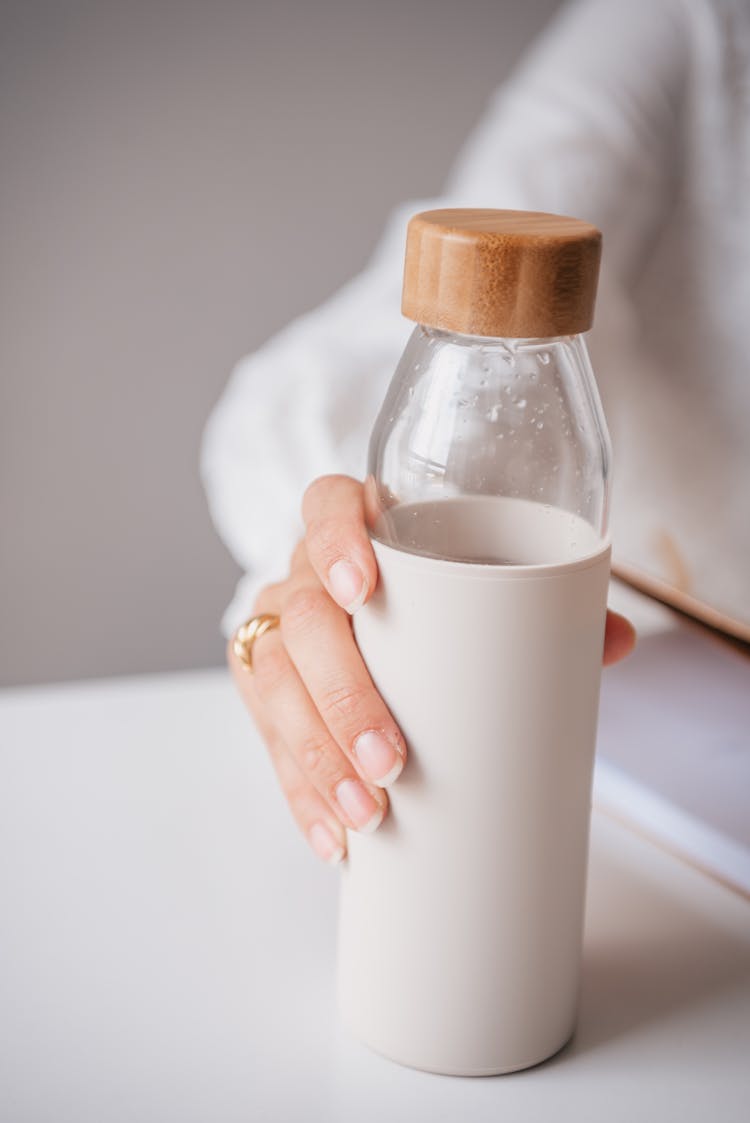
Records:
x=584, y=127
x=589, y=126
x=300, y=407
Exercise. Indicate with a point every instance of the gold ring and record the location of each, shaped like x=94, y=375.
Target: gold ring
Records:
x=248, y=633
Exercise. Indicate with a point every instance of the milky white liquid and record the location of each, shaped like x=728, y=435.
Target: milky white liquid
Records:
x=461, y=917
x=489, y=530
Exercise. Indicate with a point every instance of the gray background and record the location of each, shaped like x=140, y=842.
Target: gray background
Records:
x=172, y=174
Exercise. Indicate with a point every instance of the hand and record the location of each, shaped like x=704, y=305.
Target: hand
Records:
x=332, y=740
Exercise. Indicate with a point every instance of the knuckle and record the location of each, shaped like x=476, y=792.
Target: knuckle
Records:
x=315, y=758
x=313, y=492
x=268, y=598
x=324, y=538
x=345, y=701
x=303, y=609
x=276, y=748
x=271, y=666
x=299, y=557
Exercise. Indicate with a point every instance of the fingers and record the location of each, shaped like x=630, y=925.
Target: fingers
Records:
x=332, y=740
x=619, y=638
x=323, y=831
x=314, y=758
x=296, y=721
x=337, y=542
x=319, y=640
x=321, y=827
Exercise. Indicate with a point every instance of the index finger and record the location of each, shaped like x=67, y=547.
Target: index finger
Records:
x=337, y=542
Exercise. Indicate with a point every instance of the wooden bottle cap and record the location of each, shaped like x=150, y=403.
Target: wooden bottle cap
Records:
x=512, y=274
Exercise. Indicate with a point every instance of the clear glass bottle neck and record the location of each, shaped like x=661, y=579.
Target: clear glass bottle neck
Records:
x=489, y=341
x=494, y=421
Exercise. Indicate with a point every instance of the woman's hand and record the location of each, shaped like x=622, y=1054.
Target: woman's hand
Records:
x=332, y=740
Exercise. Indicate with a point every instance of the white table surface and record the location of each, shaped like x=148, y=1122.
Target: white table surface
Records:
x=167, y=944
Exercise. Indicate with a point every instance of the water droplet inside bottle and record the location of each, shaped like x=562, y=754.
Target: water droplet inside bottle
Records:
x=540, y=424
x=544, y=357
x=522, y=403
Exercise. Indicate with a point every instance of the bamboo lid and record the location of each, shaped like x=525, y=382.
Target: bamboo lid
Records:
x=512, y=274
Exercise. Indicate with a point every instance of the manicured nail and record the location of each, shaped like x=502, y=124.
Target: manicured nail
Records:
x=325, y=845
x=379, y=758
x=357, y=803
x=348, y=585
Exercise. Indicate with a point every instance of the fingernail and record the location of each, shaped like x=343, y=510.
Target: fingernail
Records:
x=325, y=845
x=357, y=803
x=348, y=585
x=379, y=758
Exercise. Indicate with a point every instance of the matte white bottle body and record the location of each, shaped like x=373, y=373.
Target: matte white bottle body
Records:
x=461, y=918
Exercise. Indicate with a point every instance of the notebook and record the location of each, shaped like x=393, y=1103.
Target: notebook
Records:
x=673, y=752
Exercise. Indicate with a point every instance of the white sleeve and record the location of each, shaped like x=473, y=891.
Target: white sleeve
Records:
x=300, y=407
x=589, y=126
x=580, y=129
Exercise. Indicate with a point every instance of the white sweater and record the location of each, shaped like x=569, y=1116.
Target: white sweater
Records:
x=631, y=114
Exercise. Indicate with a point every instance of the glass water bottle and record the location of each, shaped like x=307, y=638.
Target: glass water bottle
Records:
x=486, y=497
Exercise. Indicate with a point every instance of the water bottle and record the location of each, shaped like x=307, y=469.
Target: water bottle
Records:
x=460, y=925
